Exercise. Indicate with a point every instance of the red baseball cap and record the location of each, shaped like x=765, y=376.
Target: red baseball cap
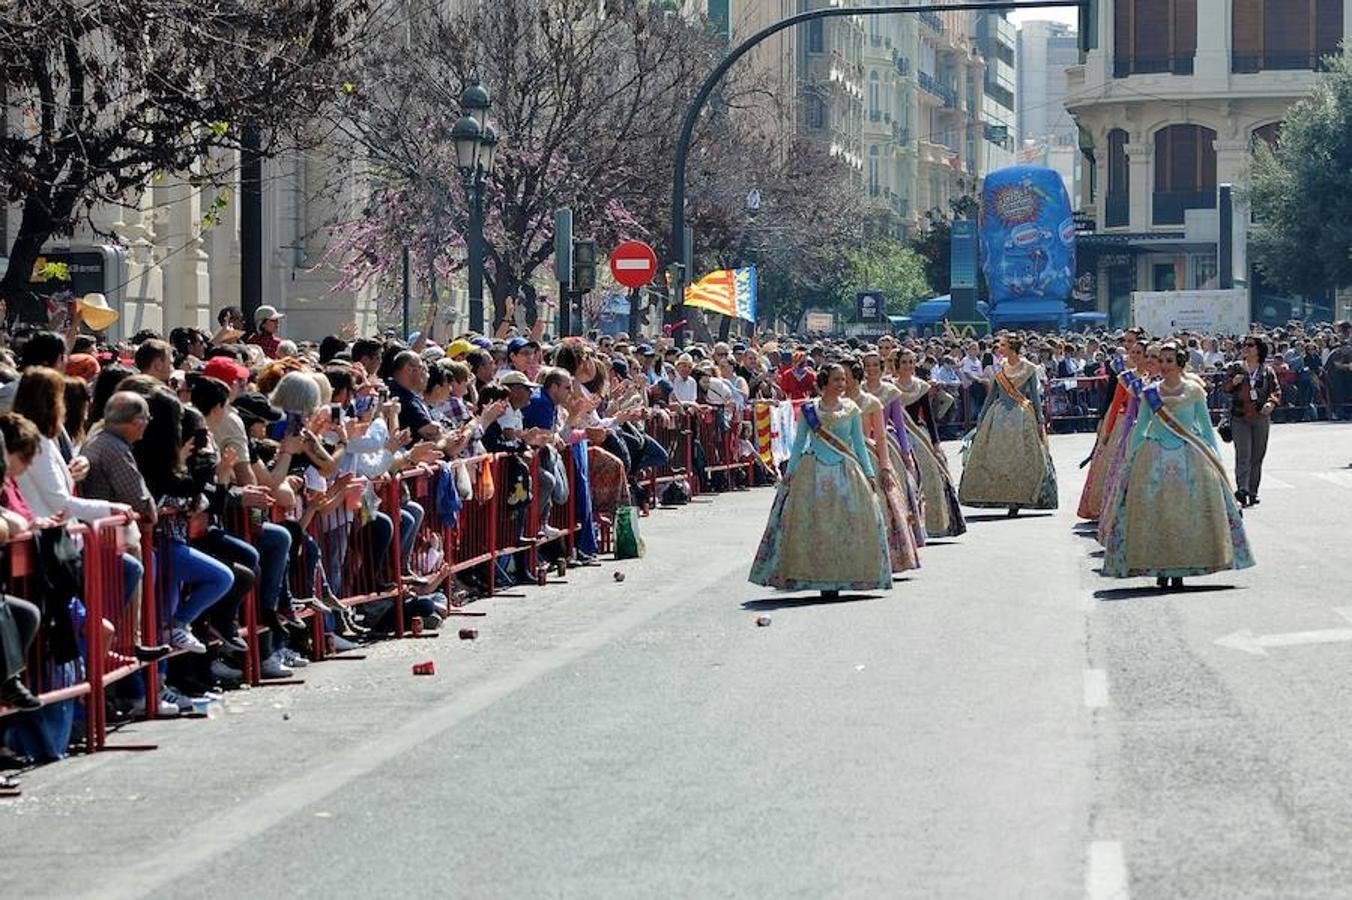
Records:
x=226, y=369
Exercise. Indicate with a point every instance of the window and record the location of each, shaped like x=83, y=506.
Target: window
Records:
x=873, y=170
x=1185, y=172
x=1154, y=36
x=816, y=40
x=1185, y=159
x=1268, y=134
x=1117, y=211
x=1284, y=34
x=816, y=113
x=874, y=111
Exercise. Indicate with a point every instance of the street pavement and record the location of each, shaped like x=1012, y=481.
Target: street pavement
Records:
x=1004, y=723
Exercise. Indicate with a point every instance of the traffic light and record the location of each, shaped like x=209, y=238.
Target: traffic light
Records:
x=584, y=265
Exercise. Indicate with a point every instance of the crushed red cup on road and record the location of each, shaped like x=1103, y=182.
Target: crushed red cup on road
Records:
x=425, y=668
x=762, y=621
x=469, y=634
x=619, y=576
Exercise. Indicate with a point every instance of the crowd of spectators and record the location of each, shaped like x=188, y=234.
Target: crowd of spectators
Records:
x=267, y=438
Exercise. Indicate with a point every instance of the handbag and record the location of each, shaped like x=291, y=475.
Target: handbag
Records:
x=628, y=542
x=1224, y=430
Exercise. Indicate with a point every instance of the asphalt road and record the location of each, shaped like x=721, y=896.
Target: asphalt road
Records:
x=1004, y=723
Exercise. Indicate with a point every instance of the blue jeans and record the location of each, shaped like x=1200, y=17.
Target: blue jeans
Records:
x=410, y=520
x=206, y=579
x=274, y=548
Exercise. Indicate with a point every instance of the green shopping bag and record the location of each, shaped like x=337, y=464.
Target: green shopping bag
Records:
x=628, y=541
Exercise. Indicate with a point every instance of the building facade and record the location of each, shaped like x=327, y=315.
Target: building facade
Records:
x=831, y=84
x=1048, y=135
x=997, y=41
x=949, y=74
x=1170, y=101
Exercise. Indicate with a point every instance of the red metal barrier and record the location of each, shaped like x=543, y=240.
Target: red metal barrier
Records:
x=108, y=635
x=678, y=440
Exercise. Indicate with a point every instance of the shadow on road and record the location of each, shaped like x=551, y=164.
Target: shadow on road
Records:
x=1113, y=594
x=930, y=542
x=770, y=603
x=1005, y=517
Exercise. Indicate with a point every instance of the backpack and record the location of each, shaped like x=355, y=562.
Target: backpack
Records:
x=676, y=493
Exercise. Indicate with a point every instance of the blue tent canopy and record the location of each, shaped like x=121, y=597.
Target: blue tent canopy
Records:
x=1026, y=312
x=930, y=311
x=899, y=321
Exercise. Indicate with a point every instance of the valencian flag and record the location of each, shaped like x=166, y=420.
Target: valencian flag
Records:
x=731, y=292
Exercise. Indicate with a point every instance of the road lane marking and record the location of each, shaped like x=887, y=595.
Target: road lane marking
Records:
x=1342, y=479
x=1095, y=688
x=1106, y=877
x=1257, y=644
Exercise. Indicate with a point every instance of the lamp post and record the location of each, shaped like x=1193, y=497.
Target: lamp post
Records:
x=475, y=151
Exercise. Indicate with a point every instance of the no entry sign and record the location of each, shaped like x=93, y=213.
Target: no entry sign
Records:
x=633, y=264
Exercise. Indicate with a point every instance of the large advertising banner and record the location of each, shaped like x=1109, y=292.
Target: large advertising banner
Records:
x=1166, y=313
x=1027, y=235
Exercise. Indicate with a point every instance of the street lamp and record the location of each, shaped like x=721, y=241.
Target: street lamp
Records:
x=475, y=151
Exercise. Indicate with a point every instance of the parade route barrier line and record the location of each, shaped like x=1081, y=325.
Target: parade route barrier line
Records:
x=101, y=623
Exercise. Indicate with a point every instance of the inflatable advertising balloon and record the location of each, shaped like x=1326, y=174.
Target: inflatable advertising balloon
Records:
x=1027, y=235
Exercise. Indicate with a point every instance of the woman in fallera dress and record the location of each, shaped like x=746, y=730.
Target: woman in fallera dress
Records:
x=1112, y=434
x=1116, y=479
x=1178, y=517
x=826, y=531
x=1007, y=462
x=911, y=410
x=888, y=482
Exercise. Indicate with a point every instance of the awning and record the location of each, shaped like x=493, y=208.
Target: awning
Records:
x=1026, y=311
x=928, y=312
x=1089, y=317
x=932, y=310
x=899, y=321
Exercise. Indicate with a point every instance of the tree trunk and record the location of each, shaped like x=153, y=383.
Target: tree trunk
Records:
x=35, y=229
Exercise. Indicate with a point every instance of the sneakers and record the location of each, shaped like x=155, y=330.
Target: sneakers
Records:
x=153, y=654
x=165, y=710
x=273, y=668
x=292, y=659
x=16, y=694
x=181, y=702
x=550, y=533
x=225, y=673
x=342, y=644
x=180, y=638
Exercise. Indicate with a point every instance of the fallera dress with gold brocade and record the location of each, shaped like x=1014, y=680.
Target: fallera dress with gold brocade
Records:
x=1177, y=516
x=1007, y=462
x=826, y=531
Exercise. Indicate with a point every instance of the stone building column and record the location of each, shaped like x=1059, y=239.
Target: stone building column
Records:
x=1212, y=63
x=1140, y=184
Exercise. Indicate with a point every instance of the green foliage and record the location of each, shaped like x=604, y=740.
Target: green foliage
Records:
x=1301, y=193
x=890, y=266
x=934, y=243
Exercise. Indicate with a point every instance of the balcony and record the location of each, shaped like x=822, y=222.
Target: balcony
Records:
x=1168, y=207
x=902, y=135
x=1249, y=63
x=875, y=115
x=1117, y=210
x=1152, y=65
x=903, y=65
x=931, y=85
x=932, y=20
